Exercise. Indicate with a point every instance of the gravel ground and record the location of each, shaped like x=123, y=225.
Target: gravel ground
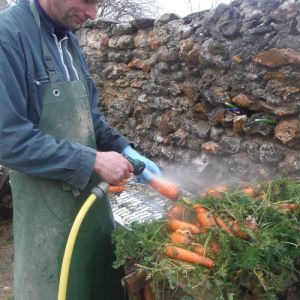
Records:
x=6, y=258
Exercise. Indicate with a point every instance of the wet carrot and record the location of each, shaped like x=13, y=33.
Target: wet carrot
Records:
x=237, y=230
x=204, y=217
x=288, y=206
x=221, y=223
x=188, y=256
x=181, y=237
x=214, y=247
x=199, y=249
x=213, y=193
x=251, y=223
x=123, y=182
x=116, y=188
x=174, y=225
x=248, y=191
x=166, y=188
x=177, y=211
x=198, y=225
x=217, y=191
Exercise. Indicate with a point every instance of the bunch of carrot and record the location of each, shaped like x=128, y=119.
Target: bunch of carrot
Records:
x=222, y=239
x=254, y=192
x=219, y=190
x=182, y=234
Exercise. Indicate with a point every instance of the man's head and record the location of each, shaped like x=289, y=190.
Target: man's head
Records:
x=70, y=13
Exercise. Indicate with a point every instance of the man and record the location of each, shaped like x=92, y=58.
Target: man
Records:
x=50, y=128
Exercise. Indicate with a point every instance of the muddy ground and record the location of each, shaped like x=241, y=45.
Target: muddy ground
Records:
x=6, y=258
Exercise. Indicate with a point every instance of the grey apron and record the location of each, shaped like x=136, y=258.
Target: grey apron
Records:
x=44, y=211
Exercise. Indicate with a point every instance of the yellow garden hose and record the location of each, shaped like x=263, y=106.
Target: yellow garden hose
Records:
x=97, y=192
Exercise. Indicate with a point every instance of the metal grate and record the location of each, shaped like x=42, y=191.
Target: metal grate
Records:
x=138, y=203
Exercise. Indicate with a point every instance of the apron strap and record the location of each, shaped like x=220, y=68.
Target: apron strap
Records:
x=46, y=55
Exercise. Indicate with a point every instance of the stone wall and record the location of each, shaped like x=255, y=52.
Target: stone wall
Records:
x=215, y=94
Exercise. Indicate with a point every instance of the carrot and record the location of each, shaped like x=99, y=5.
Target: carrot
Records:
x=116, y=188
x=177, y=211
x=123, y=182
x=214, y=247
x=248, y=191
x=221, y=188
x=217, y=191
x=213, y=193
x=237, y=230
x=198, y=225
x=199, y=249
x=174, y=225
x=202, y=194
x=181, y=237
x=188, y=256
x=251, y=223
x=166, y=188
x=204, y=217
x=221, y=223
x=288, y=206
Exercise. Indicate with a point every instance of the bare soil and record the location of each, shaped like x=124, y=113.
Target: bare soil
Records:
x=6, y=258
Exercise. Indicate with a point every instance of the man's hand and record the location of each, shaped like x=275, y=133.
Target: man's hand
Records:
x=112, y=167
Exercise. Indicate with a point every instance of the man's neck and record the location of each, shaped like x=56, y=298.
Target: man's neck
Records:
x=47, y=7
x=44, y=7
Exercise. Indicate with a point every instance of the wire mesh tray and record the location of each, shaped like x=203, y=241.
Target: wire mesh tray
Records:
x=138, y=203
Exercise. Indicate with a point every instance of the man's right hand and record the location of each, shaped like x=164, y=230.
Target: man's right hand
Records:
x=112, y=167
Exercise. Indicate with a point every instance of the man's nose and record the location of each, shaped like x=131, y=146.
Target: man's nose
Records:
x=91, y=11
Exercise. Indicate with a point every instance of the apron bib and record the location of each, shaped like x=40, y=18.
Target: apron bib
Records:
x=44, y=211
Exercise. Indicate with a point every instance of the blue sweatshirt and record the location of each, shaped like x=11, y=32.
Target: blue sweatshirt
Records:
x=23, y=147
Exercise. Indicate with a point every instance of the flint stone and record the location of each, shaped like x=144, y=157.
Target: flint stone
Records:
x=269, y=153
x=166, y=18
x=123, y=28
x=120, y=56
x=288, y=132
x=142, y=23
x=230, y=145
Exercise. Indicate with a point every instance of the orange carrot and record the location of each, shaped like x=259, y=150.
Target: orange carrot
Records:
x=214, y=247
x=174, y=225
x=199, y=249
x=221, y=223
x=198, y=225
x=204, y=217
x=251, y=223
x=213, y=193
x=166, y=188
x=217, y=191
x=177, y=211
x=123, y=182
x=188, y=256
x=248, y=191
x=202, y=194
x=288, y=206
x=237, y=230
x=181, y=237
x=116, y=188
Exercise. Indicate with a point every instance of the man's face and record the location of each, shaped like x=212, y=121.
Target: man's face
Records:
x=72, y=13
